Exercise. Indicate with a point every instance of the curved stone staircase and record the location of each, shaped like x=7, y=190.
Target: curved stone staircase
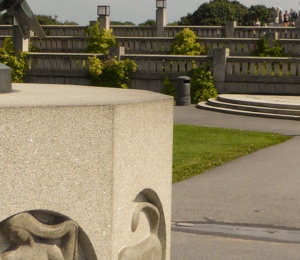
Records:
x=280, y=107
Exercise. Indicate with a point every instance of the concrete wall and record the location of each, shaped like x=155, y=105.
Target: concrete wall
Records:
x=92, y=156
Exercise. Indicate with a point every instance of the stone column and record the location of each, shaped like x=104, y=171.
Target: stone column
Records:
x=5, y=79
x=103, y=12
x=230, y=26
x=21, y=41
x=104, y=22
x=161, y=21
x=219, y=67
x=116, y=52
x=271, y=38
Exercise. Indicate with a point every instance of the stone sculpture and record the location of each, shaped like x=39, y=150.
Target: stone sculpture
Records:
x=277, y=15
x=32, y=239
x=150, y=248
x=24, y=16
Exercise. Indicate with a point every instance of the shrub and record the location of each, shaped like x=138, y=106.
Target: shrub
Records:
x=202, y=85
x=18, y=65
x=111, y=73
x=264, y=50
x=185, y=43
x=99, y=41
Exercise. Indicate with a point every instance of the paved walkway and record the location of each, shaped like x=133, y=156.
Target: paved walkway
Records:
x=259, y=192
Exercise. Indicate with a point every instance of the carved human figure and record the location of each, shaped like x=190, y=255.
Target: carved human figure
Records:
x=277, y=15
x=34, y=240
x=150, y=248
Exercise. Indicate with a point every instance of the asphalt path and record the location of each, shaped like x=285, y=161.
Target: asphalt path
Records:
x=259, y=192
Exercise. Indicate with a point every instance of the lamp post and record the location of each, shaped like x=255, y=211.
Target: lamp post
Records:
x=103, y=12
x=161, y=6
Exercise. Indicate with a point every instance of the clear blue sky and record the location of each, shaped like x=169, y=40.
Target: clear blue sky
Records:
x=136, y=11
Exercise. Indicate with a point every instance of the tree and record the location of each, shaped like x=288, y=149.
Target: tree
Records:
x=18, y=65
x=121, y=23
x=6, y=18
x=257, y=11
x=148, y=23
x=99, y=41
x=216, y=12
x=51, y=20
x=185, y=43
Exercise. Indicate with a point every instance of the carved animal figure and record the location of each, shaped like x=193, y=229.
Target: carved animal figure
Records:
x=26, y=234
x=150, y=248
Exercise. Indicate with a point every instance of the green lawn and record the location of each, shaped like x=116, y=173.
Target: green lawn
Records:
x=198, y=149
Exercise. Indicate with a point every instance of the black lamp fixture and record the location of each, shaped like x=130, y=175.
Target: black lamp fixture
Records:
x=103, y=10
x=161, y=3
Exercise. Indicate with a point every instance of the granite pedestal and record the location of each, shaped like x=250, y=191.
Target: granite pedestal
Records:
x=85, y=173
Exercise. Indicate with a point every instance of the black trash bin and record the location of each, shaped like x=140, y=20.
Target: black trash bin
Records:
x=183, y=91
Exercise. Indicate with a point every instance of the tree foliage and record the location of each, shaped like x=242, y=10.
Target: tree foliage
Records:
x=264, y=50
x=185, y=43
x=6, y=18
x=202, y=85
x=121, y=23
x=99, y=40
x=257, y=11
x=149, y=22
x=18, y=65
x=218, y=12
x=51, y=20
x=111, y=73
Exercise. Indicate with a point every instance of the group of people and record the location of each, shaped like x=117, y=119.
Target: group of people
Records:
x=289, y=19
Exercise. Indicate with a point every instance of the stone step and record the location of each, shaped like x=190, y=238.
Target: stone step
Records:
x=282, y=102
x=206, y=106
x=251, y=107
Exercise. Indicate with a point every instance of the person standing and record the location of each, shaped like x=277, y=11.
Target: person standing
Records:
x=293, y=17
x=257, y=22
x=286, y=18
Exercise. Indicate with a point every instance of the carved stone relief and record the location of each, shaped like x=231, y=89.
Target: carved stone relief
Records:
x=38, y=236
x=151, y=248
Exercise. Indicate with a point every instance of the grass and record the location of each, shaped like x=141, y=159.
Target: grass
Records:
x=198, y=149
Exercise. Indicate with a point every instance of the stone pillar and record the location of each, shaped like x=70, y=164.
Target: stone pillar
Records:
x=161, y=21
x=230, y=26
x=21, y=42
x=5, y=79
x=116, y=52
x=104, y=22
x=86, y=172
x=103, y=12
x=219, y=67
x=271, y=38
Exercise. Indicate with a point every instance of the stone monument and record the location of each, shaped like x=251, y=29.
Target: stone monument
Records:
x=85, y=173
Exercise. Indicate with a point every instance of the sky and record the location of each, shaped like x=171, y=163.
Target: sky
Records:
x=136, y=11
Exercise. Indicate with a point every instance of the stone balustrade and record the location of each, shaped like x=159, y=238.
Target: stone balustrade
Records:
x=263, y=67
x=237, y=70
x=60, y=62
x=69, y=44
x=200, y=31
x=259, y=75
x=157, y=45
x=65, y=30
x=167, y=63
x=229, y=31
x=133, y=31
x=258, y=32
